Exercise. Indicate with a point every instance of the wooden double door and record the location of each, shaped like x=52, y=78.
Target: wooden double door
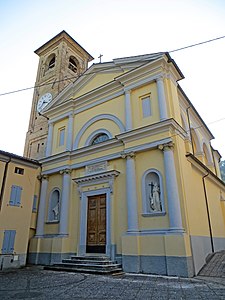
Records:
x=96, y=224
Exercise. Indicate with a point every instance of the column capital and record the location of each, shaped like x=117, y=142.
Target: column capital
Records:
x=166, y=146
x=130, y=154
x=65, y=171
x=160, y=77
x=42, y=177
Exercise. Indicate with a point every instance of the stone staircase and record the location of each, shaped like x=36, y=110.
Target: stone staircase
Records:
x=87, y=264
x=215, y=265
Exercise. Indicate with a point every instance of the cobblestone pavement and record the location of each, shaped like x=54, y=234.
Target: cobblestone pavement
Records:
x=215, y=266
x=36, y=283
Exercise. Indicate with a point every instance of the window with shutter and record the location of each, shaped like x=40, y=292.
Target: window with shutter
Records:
x=15, y=196
x=8, y=241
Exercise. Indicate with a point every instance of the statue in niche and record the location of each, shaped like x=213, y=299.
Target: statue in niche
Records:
x=56, y=211
x=154, y=197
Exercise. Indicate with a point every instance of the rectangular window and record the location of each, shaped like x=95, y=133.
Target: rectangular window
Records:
x=19, y=171
x=61, y=136
x=15, y=196
x=34, y=208
x=8, y=241
x=146, y=107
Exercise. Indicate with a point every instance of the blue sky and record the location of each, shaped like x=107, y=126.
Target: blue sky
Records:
x=115, y=29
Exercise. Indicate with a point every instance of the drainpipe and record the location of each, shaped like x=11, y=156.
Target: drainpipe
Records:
x=3, y=182
x=189, y=125
x=207, y=209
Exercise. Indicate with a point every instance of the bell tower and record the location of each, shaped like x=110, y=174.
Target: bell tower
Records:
x=61, y=61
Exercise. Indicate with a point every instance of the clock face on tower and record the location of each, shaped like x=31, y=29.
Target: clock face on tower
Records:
x=43, y=101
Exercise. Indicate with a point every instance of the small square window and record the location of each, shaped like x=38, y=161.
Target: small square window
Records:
x=61, y=136
x=146, y=106
x=19, y=171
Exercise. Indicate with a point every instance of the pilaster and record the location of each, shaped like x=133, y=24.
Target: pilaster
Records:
x=131, y=192
x=42, y=205
x=69, y=140
x=172, y=187
x=128, y=111
x=64, y=210
x=49, y=140
x=161, y=99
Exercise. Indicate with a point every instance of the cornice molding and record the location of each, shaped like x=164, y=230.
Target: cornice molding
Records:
x=152, y=129
x=205, y=170
x=96, y=177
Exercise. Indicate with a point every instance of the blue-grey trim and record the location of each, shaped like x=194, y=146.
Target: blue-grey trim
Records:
x=144, y=196
x=140, y=148
x=95, y=133
x=154, y=214
x=61, y=117
x=160, y=265
x=116, y=120
x=47, y=258
x=158, y=231
x=84, y=163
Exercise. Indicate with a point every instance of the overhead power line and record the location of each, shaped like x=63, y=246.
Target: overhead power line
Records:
x=197, y=44
x=86, y=74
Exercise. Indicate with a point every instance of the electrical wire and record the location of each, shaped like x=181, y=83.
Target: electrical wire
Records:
x=86, y=74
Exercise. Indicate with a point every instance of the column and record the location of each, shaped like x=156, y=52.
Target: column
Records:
x=69, y=140
x=132, y=213
x=161, y=99
x=42, y=205
x=128, y=112
x=64, y=209
x=49, y=140
x=172, y=187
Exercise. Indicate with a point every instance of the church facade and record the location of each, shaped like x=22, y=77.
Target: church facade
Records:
x=128, y=170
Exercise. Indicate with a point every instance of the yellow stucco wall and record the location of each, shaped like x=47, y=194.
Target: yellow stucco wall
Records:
x=19, y=218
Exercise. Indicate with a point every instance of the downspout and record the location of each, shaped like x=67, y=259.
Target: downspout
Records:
x=189, y=125
x=3, y=182
x=214, y=163
x=207, y=209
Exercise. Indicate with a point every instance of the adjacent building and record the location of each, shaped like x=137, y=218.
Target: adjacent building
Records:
x=19, y=192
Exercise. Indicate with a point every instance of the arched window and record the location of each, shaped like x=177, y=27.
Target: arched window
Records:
x=101, y=137
x=72, y=64
x=54, y=206
x=152, y=193
x=51, y=63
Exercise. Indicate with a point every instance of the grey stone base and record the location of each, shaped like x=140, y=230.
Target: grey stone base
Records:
x=47, y=258
x=160, y=265
x=202, y=247
x=12, y=261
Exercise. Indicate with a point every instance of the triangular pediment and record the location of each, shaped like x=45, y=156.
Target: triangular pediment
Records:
x=100, y=75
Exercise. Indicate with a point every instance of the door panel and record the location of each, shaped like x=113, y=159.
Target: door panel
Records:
x=96, y=225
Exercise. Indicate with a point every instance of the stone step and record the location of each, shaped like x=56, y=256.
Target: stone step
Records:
x=88, y=266
x=85, y=261
x=91, y=257
x=84, y=270
x=95, y=264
